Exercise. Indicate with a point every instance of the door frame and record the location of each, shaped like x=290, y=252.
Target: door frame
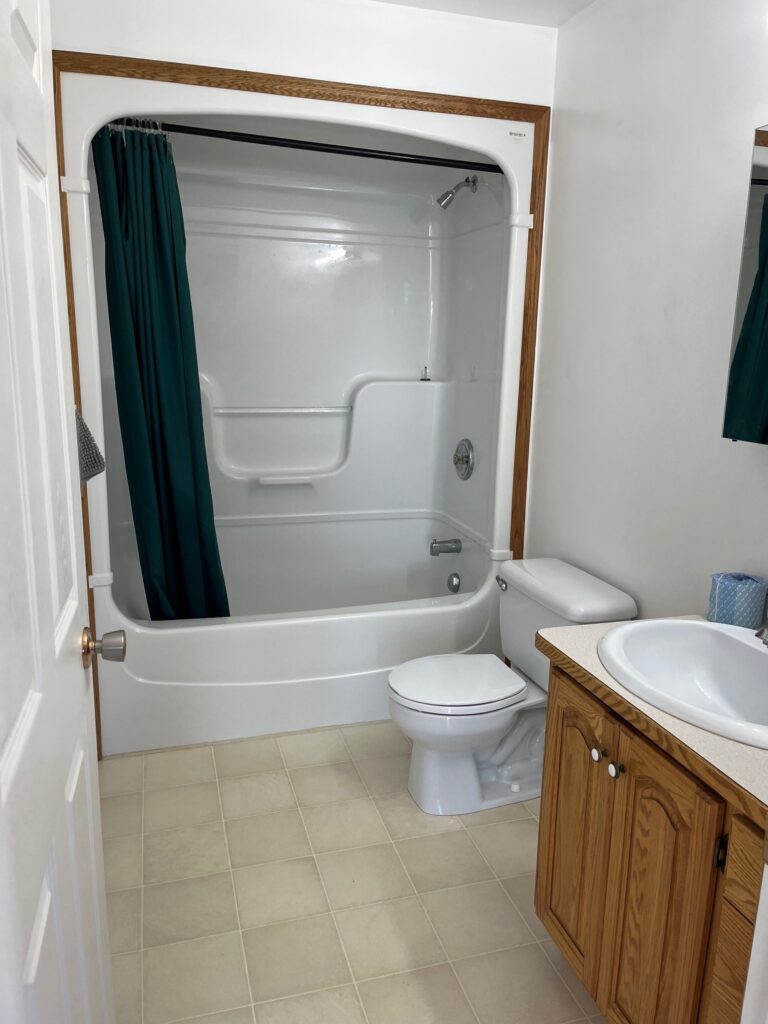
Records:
x=109, y=65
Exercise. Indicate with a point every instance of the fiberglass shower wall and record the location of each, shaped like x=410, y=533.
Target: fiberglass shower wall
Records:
x=322, y=285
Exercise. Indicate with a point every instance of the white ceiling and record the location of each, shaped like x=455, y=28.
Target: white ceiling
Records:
x=532, y=12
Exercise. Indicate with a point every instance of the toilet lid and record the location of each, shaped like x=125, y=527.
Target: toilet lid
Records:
x=457, y=680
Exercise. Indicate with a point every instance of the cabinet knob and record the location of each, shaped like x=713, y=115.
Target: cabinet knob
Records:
x=596, y=755
x=615, y=770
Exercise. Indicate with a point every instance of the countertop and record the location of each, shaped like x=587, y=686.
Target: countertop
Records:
x=746, y=766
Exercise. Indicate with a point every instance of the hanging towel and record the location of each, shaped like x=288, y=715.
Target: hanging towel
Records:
x=91, y=460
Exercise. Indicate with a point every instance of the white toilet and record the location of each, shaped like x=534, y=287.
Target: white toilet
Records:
x=478, y=726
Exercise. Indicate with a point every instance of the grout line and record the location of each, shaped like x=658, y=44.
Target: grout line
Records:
x=325, y=890
x=423, y=908
x=232, y=883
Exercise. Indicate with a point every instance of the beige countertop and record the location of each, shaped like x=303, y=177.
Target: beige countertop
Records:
x=747, y=766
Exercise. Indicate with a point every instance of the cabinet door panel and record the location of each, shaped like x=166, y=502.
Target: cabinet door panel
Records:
x=660, y=889
x=574, y=833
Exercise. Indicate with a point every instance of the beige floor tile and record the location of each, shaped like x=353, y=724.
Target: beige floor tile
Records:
x=242, y=1016
x=305, y=748
x=276, y=836
x=344, y=825
x=190, y=979
x=185, y=853
x=435, y=862
x=247, y=795
x=475, y=919
x=517, y=986
x=534, y=806
x=278, y=891
x=247, y=757
x=388, y=937
x=293, y=957
x=587, y=1004
x=429, y=996
x=126, y=979
x=188, y=909
x=507, y=812
x=521, y=889
x=121, y=816
x=122, y=862
x=375, y=739
x=334, y=1006
x=170, y=768
x=121, y=775
x=325, y=784
x=367, y=875
x=124, y=917
x=405, y=819
x=385, y=776
x=185, y=805
x=509, y=846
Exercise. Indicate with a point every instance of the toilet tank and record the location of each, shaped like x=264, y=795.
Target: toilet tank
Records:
x=545, y=592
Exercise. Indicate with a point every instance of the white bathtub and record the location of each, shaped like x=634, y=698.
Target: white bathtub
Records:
x=322, y=610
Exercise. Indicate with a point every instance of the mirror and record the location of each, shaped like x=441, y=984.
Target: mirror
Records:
x=746, y=409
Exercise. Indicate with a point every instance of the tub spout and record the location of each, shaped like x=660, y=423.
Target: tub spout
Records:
x=445, y=547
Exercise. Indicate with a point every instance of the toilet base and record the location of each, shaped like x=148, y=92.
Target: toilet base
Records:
x=461, y=782
x=441, y=784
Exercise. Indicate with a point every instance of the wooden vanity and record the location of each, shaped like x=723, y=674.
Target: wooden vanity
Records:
x=650, y=855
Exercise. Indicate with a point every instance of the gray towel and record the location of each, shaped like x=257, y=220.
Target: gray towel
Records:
x=91, y=460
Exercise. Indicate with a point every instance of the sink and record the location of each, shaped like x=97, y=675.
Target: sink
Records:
x=710, y=675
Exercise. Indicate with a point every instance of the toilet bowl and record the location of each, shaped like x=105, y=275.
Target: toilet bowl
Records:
x=477, y=724
x=477, y=728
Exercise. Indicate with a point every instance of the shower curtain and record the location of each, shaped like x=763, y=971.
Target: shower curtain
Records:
x=156, y=375
x=746, y=409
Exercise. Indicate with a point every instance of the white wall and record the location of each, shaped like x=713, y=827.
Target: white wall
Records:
x=357, y=41
x=655, y=109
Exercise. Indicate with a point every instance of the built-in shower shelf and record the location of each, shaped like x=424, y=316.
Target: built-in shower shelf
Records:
x=277, y=480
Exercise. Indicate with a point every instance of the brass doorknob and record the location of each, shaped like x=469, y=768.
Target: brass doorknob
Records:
x=111, y=646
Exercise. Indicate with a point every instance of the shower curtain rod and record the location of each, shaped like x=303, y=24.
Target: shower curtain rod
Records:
x=327, y=147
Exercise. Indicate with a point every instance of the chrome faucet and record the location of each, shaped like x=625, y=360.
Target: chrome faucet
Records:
x=445, y=547
x=762, y=634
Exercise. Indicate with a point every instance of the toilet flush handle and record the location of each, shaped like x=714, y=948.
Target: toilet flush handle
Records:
x=503, y=585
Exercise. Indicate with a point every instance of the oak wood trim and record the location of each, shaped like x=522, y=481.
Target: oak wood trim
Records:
x=725, y=787
x=744, y=866
x=69, y=61
x=72, y=321
x=761, y=137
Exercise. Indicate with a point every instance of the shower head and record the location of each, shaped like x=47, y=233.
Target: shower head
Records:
x=445, y=200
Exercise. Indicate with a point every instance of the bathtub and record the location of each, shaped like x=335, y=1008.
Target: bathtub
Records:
x=344, y=600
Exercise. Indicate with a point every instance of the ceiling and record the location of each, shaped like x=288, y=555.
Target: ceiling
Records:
x=532, y=12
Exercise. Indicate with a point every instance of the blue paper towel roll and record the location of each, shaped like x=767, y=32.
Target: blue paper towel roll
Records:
x=737, y=599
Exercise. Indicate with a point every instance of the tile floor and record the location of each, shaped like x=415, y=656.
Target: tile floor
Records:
x=293, y=880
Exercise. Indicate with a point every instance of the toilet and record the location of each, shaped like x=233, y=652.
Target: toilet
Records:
x=476, y=724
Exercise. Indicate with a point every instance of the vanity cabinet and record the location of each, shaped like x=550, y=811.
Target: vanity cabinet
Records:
x=628, y=884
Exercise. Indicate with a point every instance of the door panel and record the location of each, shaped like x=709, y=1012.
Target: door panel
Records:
x=660, y=889
x=53, y=948
x=574, y=834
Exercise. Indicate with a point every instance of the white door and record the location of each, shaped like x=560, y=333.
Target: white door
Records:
x=54, y=965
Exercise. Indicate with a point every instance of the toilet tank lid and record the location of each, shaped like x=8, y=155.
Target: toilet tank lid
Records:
x=571, y=593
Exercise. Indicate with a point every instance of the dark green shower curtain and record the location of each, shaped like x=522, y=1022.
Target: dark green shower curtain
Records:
x=156, y=375
x=746, y=409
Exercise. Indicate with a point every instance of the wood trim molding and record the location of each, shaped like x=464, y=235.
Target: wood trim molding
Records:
x=725, y=787
x=761, y=137
x=72, y=62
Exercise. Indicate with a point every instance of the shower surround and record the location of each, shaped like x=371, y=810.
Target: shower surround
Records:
x=322, y=288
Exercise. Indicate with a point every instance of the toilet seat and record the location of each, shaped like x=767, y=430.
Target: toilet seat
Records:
x=457, y=684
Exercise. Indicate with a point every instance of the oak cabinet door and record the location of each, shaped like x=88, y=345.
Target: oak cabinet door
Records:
x=661, y=882
x=574, y=833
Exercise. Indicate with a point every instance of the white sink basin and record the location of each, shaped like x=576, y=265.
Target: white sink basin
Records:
x=713, y=676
